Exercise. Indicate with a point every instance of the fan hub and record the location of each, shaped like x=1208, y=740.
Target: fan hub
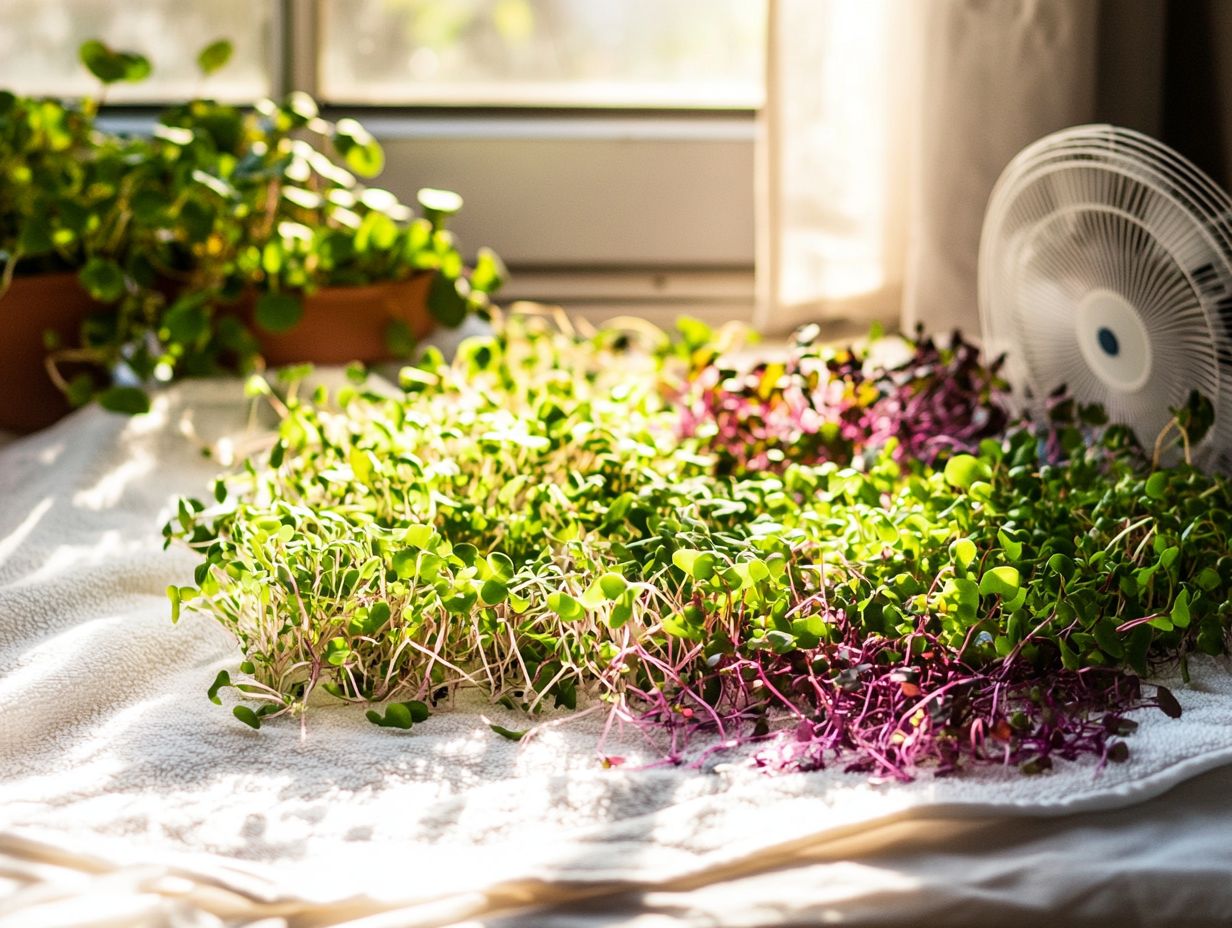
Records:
x=1108, y=341
x=1113, y=340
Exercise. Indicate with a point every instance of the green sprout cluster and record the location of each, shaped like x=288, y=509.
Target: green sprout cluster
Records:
x=542, y=520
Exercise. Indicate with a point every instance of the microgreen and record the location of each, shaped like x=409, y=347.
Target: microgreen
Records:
x=836, y=559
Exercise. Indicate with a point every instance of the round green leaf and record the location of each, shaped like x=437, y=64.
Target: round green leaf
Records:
x=302, y=106
x=1156, y=485
x=441, y=202
x=136, y=67
x=700, y=565
x=131, y=401
x=422, y=535
x=361, y=152
x=102, y=279
x=963, y=470
x=1000, y=581
x=446, y=304
x=419, y=711
x=214, y=56
x=1060, y=564
x=337, y=652
x=378, y=614
x=501, y=565
x=278, y=311
x=964, y=552
x=186, y=321
x=1011, y=546
x=398, y=716
x=565, y=606
x=101, y=61
x=247, y=716
x=493, y=592
x=489, y=272
x=613, y=585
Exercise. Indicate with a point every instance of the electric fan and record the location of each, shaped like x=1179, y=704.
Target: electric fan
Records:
x=1106, y=267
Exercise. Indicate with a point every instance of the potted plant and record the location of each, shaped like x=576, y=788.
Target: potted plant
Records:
x=293, y=258
x=322, y=267
x=66, y=270
x=225, y=237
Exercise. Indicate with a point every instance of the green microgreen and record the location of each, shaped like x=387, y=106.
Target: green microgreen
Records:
x=798, y=555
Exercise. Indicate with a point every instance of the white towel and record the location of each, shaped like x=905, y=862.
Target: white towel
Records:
x=112, y=757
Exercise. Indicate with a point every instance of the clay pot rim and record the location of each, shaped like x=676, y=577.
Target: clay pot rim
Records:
x=18, y=276
x=373, y=287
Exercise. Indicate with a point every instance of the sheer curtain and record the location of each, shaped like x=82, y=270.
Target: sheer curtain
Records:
x=888, y=121
x=832, y=162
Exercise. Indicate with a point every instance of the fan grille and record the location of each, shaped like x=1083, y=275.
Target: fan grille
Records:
x=1106, y=267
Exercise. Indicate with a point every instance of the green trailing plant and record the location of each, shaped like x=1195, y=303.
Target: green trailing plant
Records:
x=274, y=205
x=65, y=190
x=219, y=204
x=63, y=178
x=529, y=521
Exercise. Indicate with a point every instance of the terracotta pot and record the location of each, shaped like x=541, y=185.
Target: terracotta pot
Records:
x=32, y=305
x=344, y=324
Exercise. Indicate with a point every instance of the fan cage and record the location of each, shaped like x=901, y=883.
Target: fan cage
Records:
x=1105, y=266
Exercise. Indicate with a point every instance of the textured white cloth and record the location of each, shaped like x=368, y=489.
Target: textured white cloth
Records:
x=119, y=779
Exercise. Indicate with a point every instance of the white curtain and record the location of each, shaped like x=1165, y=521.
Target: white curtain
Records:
x=887, y=123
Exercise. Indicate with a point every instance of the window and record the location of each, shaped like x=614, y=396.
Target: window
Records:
x=608, y=53
x=603, y=147
x=40, y=55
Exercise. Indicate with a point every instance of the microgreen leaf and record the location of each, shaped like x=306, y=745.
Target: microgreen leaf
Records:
x=565, y=606
x=501, y=565
x=103, y=279
x=509, y=733
x=1156, y=485
x=1180, y=610
x=964, y=552
x=963, y=470
x=1167, y=702
x=337, y=651
x=446, y=303
x=613, y=585
x=999, y=581
x=222, y=680
x=1011, y=547
x=700, y=565
x=493, y=592
x=111, y=66
x=247, y=716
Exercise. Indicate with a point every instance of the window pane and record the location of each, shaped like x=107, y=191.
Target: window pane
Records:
x=657, y=53
x=39, y=56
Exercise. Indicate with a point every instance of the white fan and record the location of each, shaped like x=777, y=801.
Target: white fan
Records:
x=1106, y=267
